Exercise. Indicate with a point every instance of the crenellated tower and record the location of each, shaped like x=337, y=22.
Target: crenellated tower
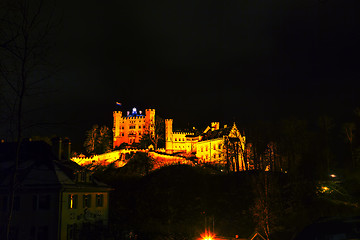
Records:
x=117, y=116
x=150, y=121
x=169, y=135
x=131, y=127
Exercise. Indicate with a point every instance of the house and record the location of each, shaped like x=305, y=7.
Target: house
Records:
x=54, y=198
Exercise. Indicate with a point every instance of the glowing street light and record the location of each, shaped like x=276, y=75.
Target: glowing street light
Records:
x=207, y=236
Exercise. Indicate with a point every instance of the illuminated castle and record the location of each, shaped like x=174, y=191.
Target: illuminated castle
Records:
x=130, y=128
x=212, y=145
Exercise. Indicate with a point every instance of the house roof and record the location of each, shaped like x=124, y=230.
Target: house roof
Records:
x=38, y=167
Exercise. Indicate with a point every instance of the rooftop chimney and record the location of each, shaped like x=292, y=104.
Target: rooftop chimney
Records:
x=67, y=149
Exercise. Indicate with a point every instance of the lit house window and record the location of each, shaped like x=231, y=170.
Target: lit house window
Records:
x=99, y=200
x=72, y=201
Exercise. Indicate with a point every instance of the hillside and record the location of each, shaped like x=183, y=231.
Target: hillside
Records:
x=177, y=201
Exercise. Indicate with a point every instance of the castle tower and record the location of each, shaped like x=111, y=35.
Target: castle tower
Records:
x=150, y=120
x=117, y=115
x=169, y=135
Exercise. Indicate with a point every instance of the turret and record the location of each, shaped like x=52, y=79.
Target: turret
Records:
x=168, y=135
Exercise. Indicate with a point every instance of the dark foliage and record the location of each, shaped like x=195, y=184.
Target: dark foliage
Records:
x=175, y=202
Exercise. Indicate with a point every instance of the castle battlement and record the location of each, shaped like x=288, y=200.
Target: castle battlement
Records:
x=186, y=133
x=76, y=159
x=137, y=117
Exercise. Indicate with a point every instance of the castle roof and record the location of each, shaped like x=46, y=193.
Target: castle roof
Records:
x=216, y=133
x=134, y=113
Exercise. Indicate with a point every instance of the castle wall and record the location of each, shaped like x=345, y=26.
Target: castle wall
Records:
x=211, y=150
x=182, y=143
x=107, y=158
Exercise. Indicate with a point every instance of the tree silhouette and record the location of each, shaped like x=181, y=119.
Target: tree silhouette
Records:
x=266, y=208
x=98, y=140
x=326, y=124
x=25, y=30
x=156, y=138
x=349, y=130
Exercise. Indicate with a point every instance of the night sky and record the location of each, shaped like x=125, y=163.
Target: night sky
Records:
x=202, y=61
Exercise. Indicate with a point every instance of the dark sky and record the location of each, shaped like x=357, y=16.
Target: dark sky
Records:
x=200, y=61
